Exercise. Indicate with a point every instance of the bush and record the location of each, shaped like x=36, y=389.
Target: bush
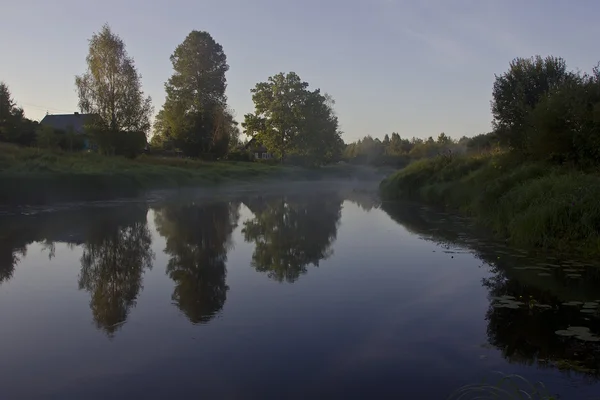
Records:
x=531, y=203
x=128, y=144
x=239, y=155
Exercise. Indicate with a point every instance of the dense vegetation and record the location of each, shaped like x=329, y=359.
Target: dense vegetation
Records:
x=539, y=186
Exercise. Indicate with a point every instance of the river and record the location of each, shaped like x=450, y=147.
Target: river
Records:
x=319, y=292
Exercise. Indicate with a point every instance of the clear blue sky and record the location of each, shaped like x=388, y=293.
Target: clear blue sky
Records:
x=415, y=67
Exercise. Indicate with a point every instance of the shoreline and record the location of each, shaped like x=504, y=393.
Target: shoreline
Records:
x=33, y=177
x=533, y=205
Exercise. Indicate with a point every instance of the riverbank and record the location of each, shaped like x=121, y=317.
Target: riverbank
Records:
x=531, y=204
x=32, y=176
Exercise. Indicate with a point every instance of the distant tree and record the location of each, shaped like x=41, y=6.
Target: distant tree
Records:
x=519, y=90
x=111, y=87
x=195, y=117
x=289, y=119
x=386, y=140
x=444, y=139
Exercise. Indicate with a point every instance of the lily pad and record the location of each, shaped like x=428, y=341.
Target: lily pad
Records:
x=545, y=306
x=588, y=311
x=590, y=305
x=588, y=338
x=579, y=329
x=573, y=303
x=509, y=305
x=564, y=332
x=574, y=275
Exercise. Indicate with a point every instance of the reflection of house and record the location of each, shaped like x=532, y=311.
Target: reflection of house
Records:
x=258, y=150
x=66, y=122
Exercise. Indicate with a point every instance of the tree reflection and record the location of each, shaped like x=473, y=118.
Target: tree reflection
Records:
x=292, y=232
x=198, y=238
x=365, y=199
x=525, y=335
x=14, y=239
x=10, y=256
x=116, y=246
x=116, y=252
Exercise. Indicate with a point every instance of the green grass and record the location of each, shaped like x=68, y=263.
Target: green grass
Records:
x=530, y=203
x=33, y=176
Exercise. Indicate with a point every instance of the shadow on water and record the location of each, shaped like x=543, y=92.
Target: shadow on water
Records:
x=544, y=310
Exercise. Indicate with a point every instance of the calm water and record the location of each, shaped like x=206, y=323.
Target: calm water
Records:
x=311, y=294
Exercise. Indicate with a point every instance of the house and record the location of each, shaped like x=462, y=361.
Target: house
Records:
x=66, y=122
x=259, y=151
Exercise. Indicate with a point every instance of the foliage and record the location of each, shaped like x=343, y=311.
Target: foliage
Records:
x=291, y=120
x=195, y=117
x=14, y=127
x=128, y=144
x=239, y=155
x=519, y=90
x=530, y=203
x=399, y=152
x=47, y=137
x=10, y=115
x=111, y=86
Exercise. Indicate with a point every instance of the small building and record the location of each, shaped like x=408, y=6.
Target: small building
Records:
x=258, y=150
x=66, y=122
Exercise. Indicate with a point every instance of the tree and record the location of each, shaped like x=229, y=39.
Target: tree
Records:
x=519, y=90
x=444, y=139
x=111, y=86
x=11, y=116
x=290, y=119
x=195, y=117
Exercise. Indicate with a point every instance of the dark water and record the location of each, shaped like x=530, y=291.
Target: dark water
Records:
x=311, y=294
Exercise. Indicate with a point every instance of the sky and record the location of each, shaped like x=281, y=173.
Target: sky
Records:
x=417, y=67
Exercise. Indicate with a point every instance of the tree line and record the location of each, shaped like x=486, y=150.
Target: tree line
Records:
x=540, y=110
x=195, y=120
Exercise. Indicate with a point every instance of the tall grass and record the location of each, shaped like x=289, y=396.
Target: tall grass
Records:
x=530, y=203
x=29, y=175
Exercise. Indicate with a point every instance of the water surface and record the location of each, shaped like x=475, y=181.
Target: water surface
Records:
x=306, y=294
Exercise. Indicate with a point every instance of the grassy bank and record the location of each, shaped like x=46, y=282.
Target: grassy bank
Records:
x=530, y=203
x=32, y=176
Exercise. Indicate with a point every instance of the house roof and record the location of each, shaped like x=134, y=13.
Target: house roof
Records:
x=255, y=145
x=251, y=142
x=64, y=121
